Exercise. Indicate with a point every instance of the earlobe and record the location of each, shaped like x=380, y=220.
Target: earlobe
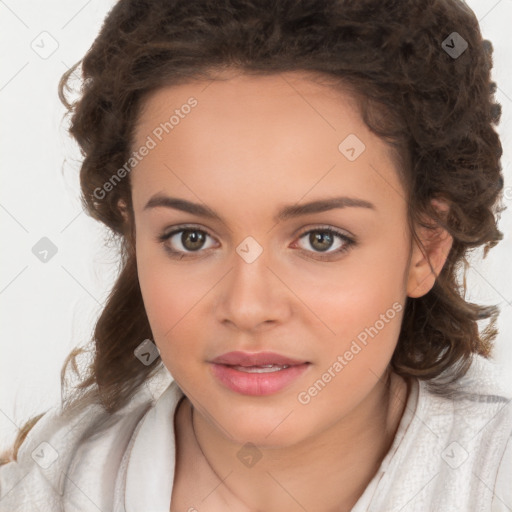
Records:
x=427, y=262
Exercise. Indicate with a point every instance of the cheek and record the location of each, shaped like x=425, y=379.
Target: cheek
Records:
x=168, y=307
x=172, y=298
x=353, y=294
x=365, y=314
x=169, y=289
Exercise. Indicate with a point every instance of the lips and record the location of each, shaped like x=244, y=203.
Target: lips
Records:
x=256, y=359
x=257, y=374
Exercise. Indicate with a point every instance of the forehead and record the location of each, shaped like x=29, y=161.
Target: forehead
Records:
x=258, y=134
x=242, y=101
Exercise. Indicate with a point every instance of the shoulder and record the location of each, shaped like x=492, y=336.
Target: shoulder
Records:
x=502, y=494
x=481, y=405
x=55, y=448
x=44, y=454
x=453, y=447
x=483, y=392
x=480, y=401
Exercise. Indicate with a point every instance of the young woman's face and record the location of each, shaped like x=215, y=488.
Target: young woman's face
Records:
x=283, y=227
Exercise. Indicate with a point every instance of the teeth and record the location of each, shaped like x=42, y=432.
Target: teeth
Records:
x=267, y=368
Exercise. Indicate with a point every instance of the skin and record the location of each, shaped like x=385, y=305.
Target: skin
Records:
x=250, y=146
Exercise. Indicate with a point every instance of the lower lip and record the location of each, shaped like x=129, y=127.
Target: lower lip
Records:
x=257, y=384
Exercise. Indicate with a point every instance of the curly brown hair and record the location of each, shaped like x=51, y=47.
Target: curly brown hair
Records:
x=435, y=110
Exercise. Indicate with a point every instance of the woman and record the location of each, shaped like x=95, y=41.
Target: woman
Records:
x=294, y=187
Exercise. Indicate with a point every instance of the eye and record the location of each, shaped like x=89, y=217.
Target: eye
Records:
x=184, y=240
x=323, y=239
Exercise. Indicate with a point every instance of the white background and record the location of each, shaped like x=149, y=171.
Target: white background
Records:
x=49, y=308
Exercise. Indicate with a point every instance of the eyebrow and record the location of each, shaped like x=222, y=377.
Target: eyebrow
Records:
x=287, y=212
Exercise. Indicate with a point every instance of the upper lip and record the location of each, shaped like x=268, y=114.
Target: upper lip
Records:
x=254, y=359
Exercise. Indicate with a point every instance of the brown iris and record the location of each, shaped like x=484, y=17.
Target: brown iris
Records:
x=323, y=238
x=196, y=239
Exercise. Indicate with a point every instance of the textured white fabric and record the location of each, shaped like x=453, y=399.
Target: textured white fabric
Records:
x=447, y=455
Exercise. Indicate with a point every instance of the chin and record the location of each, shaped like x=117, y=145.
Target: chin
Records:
x=274, y=430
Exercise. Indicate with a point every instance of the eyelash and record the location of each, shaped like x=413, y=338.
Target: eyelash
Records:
x=348, y=242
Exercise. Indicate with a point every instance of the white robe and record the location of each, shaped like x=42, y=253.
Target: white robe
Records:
x=447, y=455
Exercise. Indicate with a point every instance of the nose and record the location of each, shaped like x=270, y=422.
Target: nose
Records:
x=252, y=296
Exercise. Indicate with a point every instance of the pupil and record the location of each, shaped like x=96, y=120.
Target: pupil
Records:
x=321, y=237
x=194, y=237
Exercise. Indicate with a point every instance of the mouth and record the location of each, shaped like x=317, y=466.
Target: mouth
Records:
x=257, y=374
x=267, y=368
x=247, y=359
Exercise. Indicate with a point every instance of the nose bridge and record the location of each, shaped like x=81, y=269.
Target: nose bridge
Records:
x=251, y=294
x=250, y=267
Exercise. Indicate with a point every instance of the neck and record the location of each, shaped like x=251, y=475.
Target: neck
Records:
x=337, y=464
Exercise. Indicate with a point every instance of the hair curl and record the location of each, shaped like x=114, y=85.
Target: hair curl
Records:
x=436, y=113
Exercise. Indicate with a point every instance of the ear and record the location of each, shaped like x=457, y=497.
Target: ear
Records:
x=123, y=209
x=128, y=226
x=427, y=262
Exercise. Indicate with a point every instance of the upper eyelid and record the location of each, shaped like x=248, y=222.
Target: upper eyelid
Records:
x=177, y=229
x=337, y=231
x=318, y=227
